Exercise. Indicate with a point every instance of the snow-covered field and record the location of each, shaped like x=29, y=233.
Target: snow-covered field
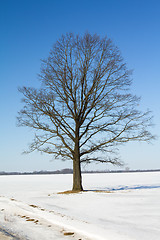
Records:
x=31, y=209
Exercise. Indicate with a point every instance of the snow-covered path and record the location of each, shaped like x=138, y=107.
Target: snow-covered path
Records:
x=5, y=235
x=31, y=222
x=31, y=208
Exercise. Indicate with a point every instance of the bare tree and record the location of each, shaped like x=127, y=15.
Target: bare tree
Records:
x=84, y=109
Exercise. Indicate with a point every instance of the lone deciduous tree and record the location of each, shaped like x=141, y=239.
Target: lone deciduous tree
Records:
x=83, y=110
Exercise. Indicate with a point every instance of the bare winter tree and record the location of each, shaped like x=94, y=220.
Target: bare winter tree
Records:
x=83, y=110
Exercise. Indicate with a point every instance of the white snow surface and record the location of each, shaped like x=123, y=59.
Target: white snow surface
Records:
x=31, y=209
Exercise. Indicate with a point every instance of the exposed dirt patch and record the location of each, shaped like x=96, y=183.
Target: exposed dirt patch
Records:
x=28, y=219
x=34, y=206
x=68, y=233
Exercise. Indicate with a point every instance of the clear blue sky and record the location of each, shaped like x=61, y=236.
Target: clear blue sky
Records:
x=29, y=28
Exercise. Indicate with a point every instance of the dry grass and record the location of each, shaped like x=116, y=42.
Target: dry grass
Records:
x=96, y=191
x=100, y=191
x=69, y=192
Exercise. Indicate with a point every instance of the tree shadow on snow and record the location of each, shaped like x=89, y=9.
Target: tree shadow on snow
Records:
x=121, y=188
x=111, y=190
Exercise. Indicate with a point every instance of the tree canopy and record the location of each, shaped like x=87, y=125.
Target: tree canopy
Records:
x=84, y=108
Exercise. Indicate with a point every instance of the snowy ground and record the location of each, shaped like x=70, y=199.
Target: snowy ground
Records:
x=31, y=209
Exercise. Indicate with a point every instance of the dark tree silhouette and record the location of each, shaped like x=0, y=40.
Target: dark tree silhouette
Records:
x=84, y=109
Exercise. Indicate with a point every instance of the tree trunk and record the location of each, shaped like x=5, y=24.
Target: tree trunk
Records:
x=77, y=178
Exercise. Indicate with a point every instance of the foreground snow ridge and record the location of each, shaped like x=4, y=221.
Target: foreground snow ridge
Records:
x=121, y=206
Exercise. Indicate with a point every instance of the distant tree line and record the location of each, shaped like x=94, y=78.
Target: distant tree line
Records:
x=70, y=171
